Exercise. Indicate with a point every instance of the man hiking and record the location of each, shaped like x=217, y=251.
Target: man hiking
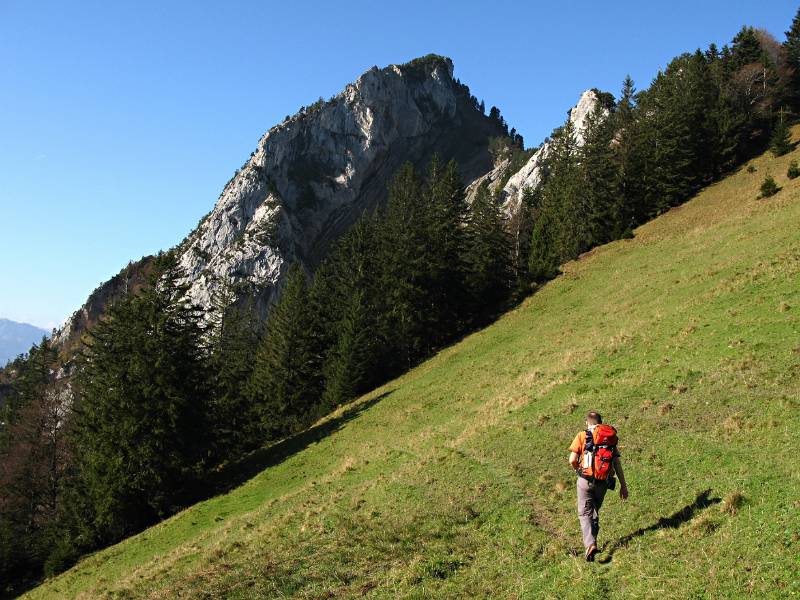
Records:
x=594, y=456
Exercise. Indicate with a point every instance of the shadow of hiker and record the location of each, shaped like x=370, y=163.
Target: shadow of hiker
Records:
x=673, y=521
x=236, y=473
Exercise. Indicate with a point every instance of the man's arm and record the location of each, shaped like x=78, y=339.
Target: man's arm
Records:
x=573, y=460
x=623, y=488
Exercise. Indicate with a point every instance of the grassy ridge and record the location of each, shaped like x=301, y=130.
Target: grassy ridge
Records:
x=452, y=481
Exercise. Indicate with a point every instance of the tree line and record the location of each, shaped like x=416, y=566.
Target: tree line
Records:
x=703, y=115
x=164, y=393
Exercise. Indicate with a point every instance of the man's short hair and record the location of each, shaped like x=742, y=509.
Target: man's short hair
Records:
x=594, y=417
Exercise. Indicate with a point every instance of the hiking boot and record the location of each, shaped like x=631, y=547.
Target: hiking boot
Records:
x=590, y=552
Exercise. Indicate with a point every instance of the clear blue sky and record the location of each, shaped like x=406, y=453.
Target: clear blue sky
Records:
x=121, y=121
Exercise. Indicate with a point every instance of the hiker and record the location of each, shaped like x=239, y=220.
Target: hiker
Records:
x=594, y=456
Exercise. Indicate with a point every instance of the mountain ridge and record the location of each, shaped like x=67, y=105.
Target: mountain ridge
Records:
x=300, y=189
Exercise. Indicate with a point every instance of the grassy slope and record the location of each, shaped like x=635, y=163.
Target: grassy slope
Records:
x=455, y=483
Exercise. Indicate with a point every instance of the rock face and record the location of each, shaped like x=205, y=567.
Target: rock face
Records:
x=531, y=172
x=314, y=174
x=129, y=279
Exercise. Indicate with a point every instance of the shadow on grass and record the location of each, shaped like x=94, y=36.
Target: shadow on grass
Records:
x=673, y=521
x=236, y=473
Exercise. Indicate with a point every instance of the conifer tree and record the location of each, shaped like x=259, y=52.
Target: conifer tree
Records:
x=745, y=48
x=792, y=49
x=562, y=201
x=626, y=156
x=406, y=319
x=488, y=258
x=543, y=262
x=521, y=230
x=781, y=141
x=140, y=429
x=600, y=192
x=285, y=385
x=234, y=339
x=445, y=246
x=348, y=367
x=343, y=295
x=33, y=459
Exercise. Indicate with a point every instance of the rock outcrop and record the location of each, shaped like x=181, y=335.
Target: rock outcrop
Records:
x=314, y=174
x=531, y=172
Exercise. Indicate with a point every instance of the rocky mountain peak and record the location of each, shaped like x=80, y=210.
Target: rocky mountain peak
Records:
x=312, y=175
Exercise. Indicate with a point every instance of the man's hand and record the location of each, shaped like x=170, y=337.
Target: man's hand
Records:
x=573, y=460
x=623, y=491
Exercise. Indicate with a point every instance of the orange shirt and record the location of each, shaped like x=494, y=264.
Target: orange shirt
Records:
x=577, y=447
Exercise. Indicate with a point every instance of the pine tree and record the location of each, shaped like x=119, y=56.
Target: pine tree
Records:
x=140, y=430
x=33, y=459
x=348, y=367
x=488, y=259
x=406, y=321
x=792, y=49
x=286, y=385
x=781, y=140
x=600, y=192
x=562, y=204
x=234, y=339
x=444, y=248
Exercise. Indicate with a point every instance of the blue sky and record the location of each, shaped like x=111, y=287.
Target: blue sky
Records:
x=121, y=121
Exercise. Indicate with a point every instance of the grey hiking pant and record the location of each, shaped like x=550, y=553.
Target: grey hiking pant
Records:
x=589, y=503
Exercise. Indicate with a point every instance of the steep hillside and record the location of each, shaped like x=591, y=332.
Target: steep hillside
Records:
x=315, y=173
x=452, y=481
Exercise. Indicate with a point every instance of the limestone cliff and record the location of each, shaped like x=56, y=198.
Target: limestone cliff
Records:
x=531, y=172
x=312, y=175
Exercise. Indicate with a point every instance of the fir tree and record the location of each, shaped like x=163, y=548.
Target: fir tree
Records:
x=781, y=141
x=745, y=48
x=33, y=459
x=600, y=192
x=543, y=262
x=234, y=339
x=406, y=319
x=343, y=300
x=140, y=432
x=792, y=49
x=769, y=187
x=285, y=385
x=488, y=254
x=562, y=204
x=626, y=156
x=348, y=368
x=521, y=230
x=444, y=248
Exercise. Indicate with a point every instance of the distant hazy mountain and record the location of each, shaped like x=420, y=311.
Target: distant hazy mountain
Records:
x=16, y=338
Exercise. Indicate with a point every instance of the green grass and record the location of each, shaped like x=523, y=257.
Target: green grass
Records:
x=454, y=483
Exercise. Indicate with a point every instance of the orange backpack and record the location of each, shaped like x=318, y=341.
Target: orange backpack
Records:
x=601, y=445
